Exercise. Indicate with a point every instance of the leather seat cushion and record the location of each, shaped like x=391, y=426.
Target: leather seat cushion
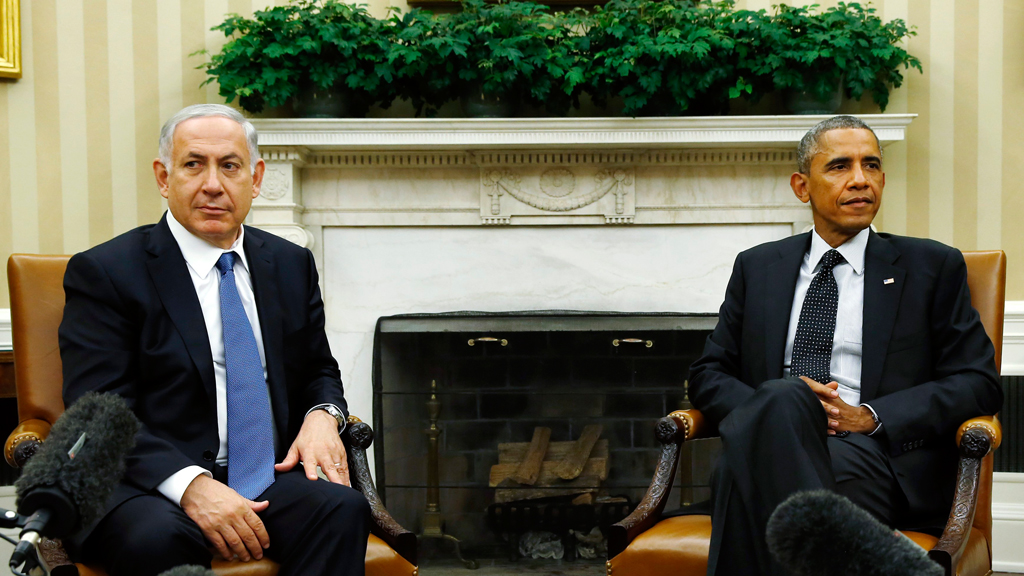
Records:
x=977, y=558
x=671, y=547
x=680, y=546
x=381, y=560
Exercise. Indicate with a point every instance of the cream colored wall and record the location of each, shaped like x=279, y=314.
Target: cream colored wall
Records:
x=78, y=130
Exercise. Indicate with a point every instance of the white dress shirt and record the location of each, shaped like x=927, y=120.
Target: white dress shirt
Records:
x=847, y=341
x=201, y=257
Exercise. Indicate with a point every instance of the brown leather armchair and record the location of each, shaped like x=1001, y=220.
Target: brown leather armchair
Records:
x=37, y=305
x=644, y=543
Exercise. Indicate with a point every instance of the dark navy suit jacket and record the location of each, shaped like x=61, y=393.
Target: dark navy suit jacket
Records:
x=927, y=362
x=133, y=326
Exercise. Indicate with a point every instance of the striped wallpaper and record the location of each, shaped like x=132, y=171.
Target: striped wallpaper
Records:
x=78, y=131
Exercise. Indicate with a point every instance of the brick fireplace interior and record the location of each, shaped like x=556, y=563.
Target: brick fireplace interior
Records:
x=559, y=370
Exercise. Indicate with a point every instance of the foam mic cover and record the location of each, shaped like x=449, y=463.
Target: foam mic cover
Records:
x=819, y=533
x=71, y=477
x=190, y=570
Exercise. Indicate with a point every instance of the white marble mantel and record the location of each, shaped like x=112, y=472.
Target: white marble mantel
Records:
x=554, y=171
x=436, y=215
x=546, y=133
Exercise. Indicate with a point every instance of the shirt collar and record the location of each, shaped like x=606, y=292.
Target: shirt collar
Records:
x=852, y=250
x=200, y=254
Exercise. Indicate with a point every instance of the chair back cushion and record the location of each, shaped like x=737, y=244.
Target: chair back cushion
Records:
x=986, y=277
x=36, y=285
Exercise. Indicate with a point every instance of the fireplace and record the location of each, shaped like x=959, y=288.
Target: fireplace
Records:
x=501, y=375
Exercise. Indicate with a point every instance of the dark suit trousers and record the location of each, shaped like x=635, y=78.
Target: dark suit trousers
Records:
x=315, y=528
x=773, y=445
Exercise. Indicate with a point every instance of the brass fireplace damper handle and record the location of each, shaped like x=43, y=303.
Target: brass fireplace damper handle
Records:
x=473, y=341
x=647, y=343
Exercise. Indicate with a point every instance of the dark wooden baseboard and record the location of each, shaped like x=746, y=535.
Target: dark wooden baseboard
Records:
x=7, y=389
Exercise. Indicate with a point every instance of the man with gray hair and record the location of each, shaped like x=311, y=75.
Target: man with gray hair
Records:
x=843, y=359
x=214, y=333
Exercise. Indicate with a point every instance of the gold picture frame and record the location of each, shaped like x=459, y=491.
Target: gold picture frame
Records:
x=10, y=38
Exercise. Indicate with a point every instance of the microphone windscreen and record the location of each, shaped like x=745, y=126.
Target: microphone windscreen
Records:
x=89, y=477
x=821, y=533
x=190, y=570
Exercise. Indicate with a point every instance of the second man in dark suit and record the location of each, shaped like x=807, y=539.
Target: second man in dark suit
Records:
x=843, y=359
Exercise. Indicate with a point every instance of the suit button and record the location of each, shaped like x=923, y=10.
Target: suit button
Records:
x=208, y=455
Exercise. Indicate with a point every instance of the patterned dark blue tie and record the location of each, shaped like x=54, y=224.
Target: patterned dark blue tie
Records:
x=250, y=421
x=812, y=345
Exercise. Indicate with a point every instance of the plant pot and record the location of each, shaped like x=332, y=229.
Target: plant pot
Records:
x=312, y=102
x=802, y=102
x=476, y=104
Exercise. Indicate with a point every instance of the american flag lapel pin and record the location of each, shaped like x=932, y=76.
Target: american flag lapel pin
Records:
x=889, y=281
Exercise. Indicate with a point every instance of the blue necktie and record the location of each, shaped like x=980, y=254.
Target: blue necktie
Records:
x=250, y=421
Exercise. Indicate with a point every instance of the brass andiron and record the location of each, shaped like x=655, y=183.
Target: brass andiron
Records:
x=432, y=523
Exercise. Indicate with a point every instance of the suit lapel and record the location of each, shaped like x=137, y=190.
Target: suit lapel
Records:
x=169, y=272
x=881, y=302
x=263, y=272
x=780, y=284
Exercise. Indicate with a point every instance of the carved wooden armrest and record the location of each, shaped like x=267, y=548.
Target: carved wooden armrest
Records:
x=672, y=431
x=25, y=440
x=357, y=437
x=976, y=438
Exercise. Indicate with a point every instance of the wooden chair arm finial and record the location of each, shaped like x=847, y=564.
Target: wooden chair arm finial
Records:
x=25, y=440
x=990, y=425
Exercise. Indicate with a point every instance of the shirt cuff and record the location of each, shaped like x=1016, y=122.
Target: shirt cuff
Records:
x=173, y=488
x=875, y=414
x=341, y=425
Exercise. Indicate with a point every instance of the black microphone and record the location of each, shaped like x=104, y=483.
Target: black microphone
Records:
x=819, y=533
x=189, y=570
x=66, y=484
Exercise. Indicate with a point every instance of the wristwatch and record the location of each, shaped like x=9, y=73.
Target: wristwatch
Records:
x=333, y=411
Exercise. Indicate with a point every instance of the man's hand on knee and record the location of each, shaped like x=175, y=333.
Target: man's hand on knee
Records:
x=841, y=416
x=318, y=443
x=228, y=520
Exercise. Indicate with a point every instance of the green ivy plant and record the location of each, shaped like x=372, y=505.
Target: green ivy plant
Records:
x=666, y=57
x=506, y=49
x=309, y=44
x=660, y=57
x=806, y=50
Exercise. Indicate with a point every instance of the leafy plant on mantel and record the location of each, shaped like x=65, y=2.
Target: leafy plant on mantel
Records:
x=662, y=57
x=803, y=50
x=666, y=57
x=497, y=49
x=309, y=44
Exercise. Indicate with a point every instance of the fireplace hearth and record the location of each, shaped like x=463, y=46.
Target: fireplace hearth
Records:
x=500, y=376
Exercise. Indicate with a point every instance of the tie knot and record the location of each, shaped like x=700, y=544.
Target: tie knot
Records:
x=226, y=262
x=830, y=259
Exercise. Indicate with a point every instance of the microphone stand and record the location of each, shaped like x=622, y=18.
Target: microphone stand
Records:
x=11, y=519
